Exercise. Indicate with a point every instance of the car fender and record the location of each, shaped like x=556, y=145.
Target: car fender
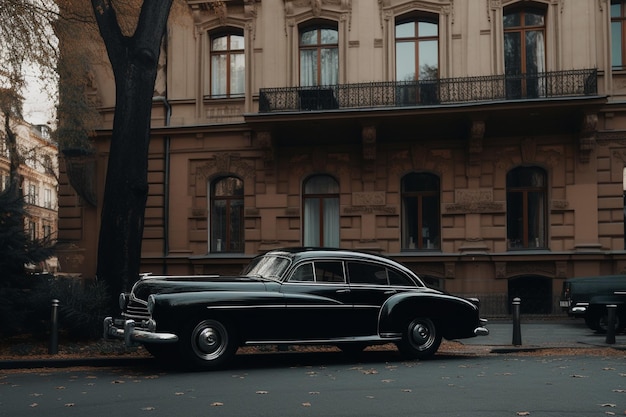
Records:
x=455, y=316
x=604, y=300
x=171, y=308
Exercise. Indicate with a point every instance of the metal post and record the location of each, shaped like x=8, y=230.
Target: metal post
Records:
x=53, y=349
x=517, y=329
x=610, y=326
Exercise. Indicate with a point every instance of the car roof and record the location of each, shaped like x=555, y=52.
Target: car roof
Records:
x=298, y=254
x=597, y=278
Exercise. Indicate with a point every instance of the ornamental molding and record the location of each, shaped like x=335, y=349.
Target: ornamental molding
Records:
x=224, y=163
x=300, y=10
x=615, y=136
x=372, y=198
x=511, y=269
x=473, y=201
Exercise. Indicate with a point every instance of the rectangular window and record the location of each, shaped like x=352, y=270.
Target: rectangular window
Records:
x=226, y=215
x=33, y=195
x=618, y=17
x=526, y=208
x=31, y=229
x=47, y=230
x=47, y=198
x=329, y=271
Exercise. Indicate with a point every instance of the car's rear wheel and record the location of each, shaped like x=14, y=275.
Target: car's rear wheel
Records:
x=598, y=320
x=603, y=323
x=207, y=344
x=420, y=338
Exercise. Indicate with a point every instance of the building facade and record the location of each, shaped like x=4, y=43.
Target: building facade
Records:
x=38, y=182
x=482, y=143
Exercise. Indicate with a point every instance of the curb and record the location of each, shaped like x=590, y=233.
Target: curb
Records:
x=69, y=363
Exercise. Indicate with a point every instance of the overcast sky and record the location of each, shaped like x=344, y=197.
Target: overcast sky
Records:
x=39, y=109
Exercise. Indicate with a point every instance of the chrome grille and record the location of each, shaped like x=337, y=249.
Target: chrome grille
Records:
x=136, y=311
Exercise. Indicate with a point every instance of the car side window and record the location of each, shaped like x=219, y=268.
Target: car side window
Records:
x=399, y=279
x=303, y=273
x=329, y=272
x=366, y=273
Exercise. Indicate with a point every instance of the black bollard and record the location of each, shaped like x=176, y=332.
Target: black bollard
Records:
x=517, y=328
x=53, y=349
x=610, y=326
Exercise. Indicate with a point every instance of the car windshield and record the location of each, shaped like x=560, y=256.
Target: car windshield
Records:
x=269, y=266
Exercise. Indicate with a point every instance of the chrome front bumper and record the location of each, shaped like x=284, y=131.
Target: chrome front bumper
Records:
x=481, y=331
x=126, y=329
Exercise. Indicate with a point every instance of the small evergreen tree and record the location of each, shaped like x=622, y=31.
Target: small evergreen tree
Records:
x=16, y=251
x=16, y=247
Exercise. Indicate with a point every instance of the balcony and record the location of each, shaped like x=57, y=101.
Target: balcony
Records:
x=554, y=84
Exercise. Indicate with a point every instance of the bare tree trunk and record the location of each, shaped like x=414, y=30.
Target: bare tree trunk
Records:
x=14, y=157
x=134, y=61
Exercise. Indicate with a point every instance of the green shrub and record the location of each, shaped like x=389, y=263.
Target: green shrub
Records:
x=82, y=308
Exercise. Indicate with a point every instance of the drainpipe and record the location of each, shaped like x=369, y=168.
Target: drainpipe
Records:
x=166, y=185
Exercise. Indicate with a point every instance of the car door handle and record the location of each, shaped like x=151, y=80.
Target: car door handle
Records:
x=391, y=292
x=343, y=291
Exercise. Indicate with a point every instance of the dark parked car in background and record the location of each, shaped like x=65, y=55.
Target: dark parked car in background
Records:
x=293, y=296
x=588, y=298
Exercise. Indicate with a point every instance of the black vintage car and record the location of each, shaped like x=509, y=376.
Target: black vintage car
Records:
x=588, y=297
x=293, y=296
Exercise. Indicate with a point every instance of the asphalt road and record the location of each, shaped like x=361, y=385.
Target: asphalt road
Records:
x=328, y=384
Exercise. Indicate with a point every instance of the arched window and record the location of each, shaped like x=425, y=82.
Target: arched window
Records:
x=524, y=51
x=321, y=211
x=417, y=60
x=227, y=215
x=228, y=65
x=417, y=49
x=319, y=56
x=526, y=208
x=420, y=211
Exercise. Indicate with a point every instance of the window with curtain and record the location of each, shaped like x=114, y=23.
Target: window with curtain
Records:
x=227, y=215
x=227, y=65
x=618, y=33
x=524, y=52
x=526, y=201
x=319, y=56
x=420, y=212
x=321, y=211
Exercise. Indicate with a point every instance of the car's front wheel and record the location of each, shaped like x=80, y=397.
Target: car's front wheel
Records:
x=420, y=338
x=597, y=319
x=207, y=345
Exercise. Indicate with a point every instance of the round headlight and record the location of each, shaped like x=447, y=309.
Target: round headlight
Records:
x=151, y=302
x=123, y=300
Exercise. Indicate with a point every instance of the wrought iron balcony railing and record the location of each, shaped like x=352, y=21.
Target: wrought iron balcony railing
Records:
x=443, y=91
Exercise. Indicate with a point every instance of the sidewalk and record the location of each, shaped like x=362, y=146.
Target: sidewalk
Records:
x=535, y=334
x=543, y=334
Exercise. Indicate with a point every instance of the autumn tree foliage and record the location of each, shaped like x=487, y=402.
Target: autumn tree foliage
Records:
x=25, y=41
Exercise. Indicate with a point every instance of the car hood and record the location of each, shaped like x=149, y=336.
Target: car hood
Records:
x=180, y=284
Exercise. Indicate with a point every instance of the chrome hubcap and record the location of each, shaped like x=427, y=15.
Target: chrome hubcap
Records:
x=209, y=340
x=421, y=334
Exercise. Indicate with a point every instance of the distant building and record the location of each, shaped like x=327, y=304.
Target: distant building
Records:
x=39, y=175
x=480, y=142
